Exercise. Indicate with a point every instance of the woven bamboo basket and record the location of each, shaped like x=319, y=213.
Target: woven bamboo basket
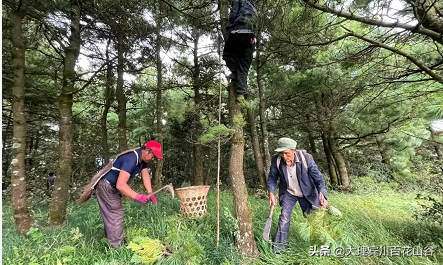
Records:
x=193, y=201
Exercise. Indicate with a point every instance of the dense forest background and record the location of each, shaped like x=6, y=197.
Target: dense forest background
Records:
x=358, y=84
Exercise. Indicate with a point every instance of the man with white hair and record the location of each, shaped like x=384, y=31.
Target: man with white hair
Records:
x=300, y=181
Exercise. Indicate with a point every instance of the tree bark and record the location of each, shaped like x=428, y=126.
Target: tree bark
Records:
x=157, y=183
x=311, y=138
x=109, y=97
x=207, y=171
x=57, y=208
x=245, y=242
x=330, y=160
x=256, y=149
x=197, y=154
x=120, y=94
x=23, y=219
x=340, y=162
x=312, y=147
x=262, y=105
x=197, y=178
x=321, y=114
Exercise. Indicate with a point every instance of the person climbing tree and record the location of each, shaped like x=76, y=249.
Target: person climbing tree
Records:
x=240, y=45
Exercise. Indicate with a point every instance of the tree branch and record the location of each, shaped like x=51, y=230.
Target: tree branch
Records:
x=414, y=60
x=413, y=28
x=90, y=80
x=359, y=138
x=421, y=138
x=314, y=44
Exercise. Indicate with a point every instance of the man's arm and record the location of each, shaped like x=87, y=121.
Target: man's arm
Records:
x=122, y=184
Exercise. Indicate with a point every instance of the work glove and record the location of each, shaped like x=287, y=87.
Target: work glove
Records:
x=141, y=198
x=152, y=198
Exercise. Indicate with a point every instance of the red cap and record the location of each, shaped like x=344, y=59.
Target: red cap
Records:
x=156, y=148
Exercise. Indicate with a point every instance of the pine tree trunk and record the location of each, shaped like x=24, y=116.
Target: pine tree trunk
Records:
x=311, y=138
x=157, y=182
x=330, y=160
x=22, y=217
x=340, y=162
x=57, y=208
x=197, y=178
x=312, y=147
x=245, y=242
x=109, y=97
x=256, y=149
x=120, y=94
x=262, y=105
x=325, y=138
x=197, y=154
x=207, y=171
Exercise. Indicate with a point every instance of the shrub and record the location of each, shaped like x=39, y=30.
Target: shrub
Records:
x=432, y=209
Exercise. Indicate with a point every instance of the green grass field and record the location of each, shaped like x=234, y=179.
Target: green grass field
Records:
x=376, y=218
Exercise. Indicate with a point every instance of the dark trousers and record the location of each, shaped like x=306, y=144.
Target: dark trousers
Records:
x=238, y=54
x=111, y=209
x=287, y=202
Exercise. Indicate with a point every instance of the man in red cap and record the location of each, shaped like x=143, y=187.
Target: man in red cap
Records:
x=114, y=184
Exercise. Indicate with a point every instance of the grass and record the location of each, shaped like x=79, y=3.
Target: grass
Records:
x=370, y=218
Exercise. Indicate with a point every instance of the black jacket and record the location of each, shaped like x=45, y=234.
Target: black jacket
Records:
x=242, y=17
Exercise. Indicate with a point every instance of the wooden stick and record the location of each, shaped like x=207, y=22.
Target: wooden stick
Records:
x=218, y=145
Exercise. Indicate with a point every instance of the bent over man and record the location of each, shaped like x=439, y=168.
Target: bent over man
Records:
x=300, y=181
x=114, y=184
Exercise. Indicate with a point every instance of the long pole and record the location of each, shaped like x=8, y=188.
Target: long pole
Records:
x=218, y=145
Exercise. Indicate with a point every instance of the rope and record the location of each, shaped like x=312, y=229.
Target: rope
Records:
x=218, y=145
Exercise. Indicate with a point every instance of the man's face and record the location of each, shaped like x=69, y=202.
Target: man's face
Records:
x=288, y=155
x=146, y=156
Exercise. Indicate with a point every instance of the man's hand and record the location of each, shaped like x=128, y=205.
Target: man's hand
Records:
x=323, y=202
x=141, y=198
x=152, y=198
x=272, y=200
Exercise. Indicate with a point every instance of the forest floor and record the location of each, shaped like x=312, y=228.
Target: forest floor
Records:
x=382, y=219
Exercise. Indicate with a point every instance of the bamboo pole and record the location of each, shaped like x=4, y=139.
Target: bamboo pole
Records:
x=218, y=145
